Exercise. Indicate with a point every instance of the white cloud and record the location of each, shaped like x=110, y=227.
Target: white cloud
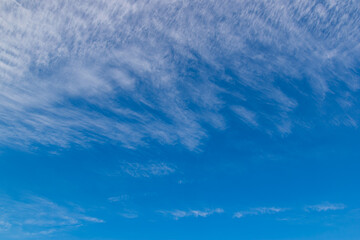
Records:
x=91, y=219
x=259, y=211
x=4, y=226
x=147, y=170
x=238, y=215
x=130, y=60
x=123, y=197
x=246, y=115
x=130, y=214
x=192, y=213
x=42, y=215
x=325, y=207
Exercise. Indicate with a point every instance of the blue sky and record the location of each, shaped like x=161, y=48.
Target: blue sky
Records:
x=175, y=120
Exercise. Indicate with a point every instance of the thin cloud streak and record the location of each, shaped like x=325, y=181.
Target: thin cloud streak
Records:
x=324, y=207
x=177, y=214
x=42, y=215
x=147, y=170
x=259, y=211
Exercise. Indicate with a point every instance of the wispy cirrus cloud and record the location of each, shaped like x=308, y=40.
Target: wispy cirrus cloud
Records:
x=129, y=214
x=4, y=226
x=147, y=169
x=35, y=216
x=177, y=214
x=131, y=73
x=247, y=116
x=259, y=211
x=324, y=207
x=123, y=197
